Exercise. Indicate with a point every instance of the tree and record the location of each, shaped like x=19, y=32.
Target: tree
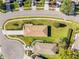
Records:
x=53, y=1
x=2, y=6
x=1, y=3
x=1, y=56
x=66, y=6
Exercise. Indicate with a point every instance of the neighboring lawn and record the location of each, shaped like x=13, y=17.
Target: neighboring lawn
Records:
x=27, y=4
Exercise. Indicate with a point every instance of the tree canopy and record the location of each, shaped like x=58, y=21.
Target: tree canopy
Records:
x=66, y=6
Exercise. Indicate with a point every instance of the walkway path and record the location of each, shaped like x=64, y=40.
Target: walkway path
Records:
x=13, y=32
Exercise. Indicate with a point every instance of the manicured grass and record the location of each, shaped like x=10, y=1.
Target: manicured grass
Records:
x=14, y=25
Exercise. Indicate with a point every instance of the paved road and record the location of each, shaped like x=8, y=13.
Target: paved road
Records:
x=4, y=17
x=2, y=37
x=12, y=49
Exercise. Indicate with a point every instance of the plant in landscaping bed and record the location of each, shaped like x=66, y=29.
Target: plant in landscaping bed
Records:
x=40, y=4
x=15, y=6
x=27, y=4
x=2, y=7
x=66, y=6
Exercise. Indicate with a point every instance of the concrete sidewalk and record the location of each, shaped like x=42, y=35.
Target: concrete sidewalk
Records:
x=13, y=32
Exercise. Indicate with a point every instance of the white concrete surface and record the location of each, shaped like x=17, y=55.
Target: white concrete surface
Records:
x=27, y=57
x=33, y=6
x=76, y=37
x=75, y=45
x=46, y=6
x=0, y=49
x=13, y=32
x=57, y=9
x=58, y=2
x=21, y=8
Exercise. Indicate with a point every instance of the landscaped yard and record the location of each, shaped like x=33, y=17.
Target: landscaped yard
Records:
x=59, y=34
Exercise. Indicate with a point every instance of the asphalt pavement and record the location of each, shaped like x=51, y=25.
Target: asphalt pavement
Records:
x=4, y=17
x=12, y=49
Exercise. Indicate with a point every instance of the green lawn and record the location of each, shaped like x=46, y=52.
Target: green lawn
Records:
x=14, y=25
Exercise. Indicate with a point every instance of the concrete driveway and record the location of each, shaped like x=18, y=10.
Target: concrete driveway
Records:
x=46, y=5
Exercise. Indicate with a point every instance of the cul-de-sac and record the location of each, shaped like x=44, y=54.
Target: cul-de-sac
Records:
x=39, y=29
